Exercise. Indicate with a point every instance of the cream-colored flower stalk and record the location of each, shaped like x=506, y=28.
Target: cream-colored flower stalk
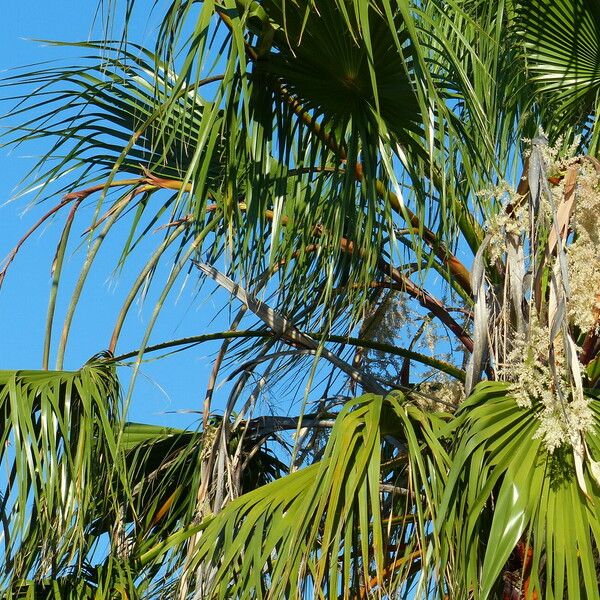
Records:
x=388, y=318
x=584, y=252
x=527, y=355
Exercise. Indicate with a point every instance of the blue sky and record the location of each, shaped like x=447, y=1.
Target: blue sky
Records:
x=174, y=384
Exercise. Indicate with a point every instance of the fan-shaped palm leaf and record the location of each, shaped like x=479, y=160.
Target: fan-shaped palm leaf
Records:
x=333, y=528
x=562, y=48
x=513, y=509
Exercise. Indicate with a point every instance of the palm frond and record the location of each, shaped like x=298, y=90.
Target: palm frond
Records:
x=59, y=434
x=516, y=514
x=330, y=526
x=562, y=53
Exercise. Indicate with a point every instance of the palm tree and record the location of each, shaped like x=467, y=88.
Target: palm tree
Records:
x=400, y=199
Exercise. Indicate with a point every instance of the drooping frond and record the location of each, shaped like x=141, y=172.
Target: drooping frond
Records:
x=145, y=144
x=59, y=447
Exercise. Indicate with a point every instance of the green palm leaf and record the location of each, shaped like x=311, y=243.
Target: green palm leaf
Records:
x=508, y=498
x=562, y=47
x=58, y=434
x=328, y=527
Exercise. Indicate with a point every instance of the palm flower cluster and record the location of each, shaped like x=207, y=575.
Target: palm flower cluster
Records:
x=546, y=249
x=584, y=251
x=564, y=415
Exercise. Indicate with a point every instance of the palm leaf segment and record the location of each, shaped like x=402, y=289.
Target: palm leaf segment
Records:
x=109, y=109
x=480, y=499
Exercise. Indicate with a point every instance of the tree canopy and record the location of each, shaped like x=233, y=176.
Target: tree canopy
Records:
x=398, y=200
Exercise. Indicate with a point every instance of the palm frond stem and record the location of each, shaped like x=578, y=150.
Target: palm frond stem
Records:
x=191, y=341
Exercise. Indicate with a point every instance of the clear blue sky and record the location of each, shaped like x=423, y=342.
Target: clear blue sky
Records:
x=173, y=384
